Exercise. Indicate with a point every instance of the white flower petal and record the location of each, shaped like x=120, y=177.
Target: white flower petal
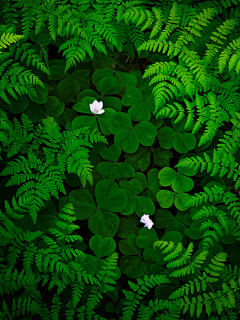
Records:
x=100, y=105
x=96, y=107
x=95, y=103
x=148, y=222
x=144, y=218
x=149, y=225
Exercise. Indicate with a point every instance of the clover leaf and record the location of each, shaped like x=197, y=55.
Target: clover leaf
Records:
x=114, y=170
x=141, y=205
x=179, y=182
x=109, y=198
x=129, y=137
x=139, y=110
x=166, y=198
x=102, y=247
x=176, y=137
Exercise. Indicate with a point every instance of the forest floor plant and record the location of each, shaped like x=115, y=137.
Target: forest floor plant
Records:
x=115, y=114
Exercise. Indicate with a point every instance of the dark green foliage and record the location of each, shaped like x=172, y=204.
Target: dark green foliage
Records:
x=204, y=40
x=64, y=151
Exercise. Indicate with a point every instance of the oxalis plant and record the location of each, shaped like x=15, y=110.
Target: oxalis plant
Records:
x=119, y=160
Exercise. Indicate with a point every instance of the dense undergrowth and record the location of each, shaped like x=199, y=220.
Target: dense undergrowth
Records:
x=75, y=183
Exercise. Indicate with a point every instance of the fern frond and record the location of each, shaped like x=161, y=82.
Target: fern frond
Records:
x=159, y=22
x=56, y=307
x=224, y=56
x=211, y=165
x=217, y=298
x=7, y=39
x=134, y=297
x=24, y=52
x=20, y=89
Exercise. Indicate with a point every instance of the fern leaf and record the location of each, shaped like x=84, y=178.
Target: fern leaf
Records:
x=7, y=39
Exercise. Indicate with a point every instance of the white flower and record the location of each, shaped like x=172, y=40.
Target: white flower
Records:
x=144, y=218
x=96, y=107
x=148, y=222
